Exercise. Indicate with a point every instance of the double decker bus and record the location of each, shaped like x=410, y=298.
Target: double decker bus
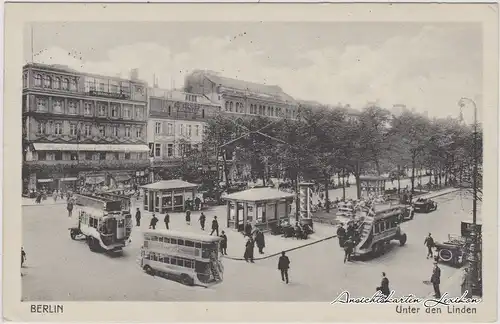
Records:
x=192, y=259
x=103, y=221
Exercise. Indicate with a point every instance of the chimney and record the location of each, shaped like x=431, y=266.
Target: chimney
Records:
x=134, y=74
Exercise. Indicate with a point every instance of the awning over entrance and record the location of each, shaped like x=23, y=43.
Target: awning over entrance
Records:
x=69, y=179
x=91, y=147
x=45, y=180
x=94, y=180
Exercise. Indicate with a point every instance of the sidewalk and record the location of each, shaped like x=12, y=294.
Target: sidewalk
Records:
x=49, y=201
x=275, y=244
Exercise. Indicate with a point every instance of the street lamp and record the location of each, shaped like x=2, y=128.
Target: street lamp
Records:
x=473, y=283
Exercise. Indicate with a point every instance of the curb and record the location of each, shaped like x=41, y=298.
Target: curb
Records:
x=39, y=205
x=288, y=250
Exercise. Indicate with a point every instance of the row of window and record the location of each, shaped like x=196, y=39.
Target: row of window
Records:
x=103, y=110
x=168, y=149
x=88, y=156
x=52, y=82
x=158, y=257
x=87, y=130
x=385, y=225
x=106, y=85
x=259, y=109
x=175, y=241
x=184, y=130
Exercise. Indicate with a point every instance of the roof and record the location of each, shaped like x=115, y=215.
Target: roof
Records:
x=258, y=88
x=177, y=95
x=91, y=147
x=184, y=235
x=259, y=194
x=170, y=184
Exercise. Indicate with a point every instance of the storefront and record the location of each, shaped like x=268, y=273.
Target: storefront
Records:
x=263, y=208
x=168, y=195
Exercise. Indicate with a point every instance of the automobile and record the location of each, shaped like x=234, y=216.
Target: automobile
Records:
x=408, y=213
x=452, y=252
x=424, y=205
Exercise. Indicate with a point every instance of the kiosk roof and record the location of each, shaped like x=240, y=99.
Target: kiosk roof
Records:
x=259, y=194
x=170, y=185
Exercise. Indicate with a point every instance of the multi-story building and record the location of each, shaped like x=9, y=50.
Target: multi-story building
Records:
x=176, y=120
x=80, y=128
x=242, y=98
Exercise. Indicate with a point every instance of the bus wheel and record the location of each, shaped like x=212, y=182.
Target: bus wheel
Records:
x=186, y=280
x=402, y=240
x=73, y=234
x=92, y=244
x=148, y=270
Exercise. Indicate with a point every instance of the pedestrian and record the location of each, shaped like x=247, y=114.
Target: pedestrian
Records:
x=197, y=203
x=283, y=266
x=54, y=195
x=259, y=239
x=429, y=242
x=248, y=229
x=223, y=243
x=215, y=226
x=38, y=199
x=138, y=217
x=249, y=246
x=436, y=280
x=69, y=207
x=464, y=283
x=341, y=235
x=23, y=257
x=188, y=217
x=202, y=220
x=348, y=248
x=166, y=220
x=152, y=223
x=384, y=286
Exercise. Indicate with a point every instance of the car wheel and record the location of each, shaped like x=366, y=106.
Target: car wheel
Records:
x=402, y=240
x=186, y=280
x=148, y=270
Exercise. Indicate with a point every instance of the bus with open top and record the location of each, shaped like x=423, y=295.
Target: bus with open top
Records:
x=104, y=222
x=192, y=259
x=378, y=228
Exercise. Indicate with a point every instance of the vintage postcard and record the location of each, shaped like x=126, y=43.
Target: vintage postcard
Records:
x=250, y=162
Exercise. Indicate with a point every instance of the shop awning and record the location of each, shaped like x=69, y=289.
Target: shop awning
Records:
x=69, y=179
x=121, y=177
x=45, y=180
x=91, y=147
x=94, y=180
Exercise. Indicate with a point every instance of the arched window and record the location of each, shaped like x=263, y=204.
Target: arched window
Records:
x=47, y=81
x=231, y=106
x=73, y=85
x=65, y=84
x=227, y=105
x=38, y=80
x=57, y=83
x=237, y=108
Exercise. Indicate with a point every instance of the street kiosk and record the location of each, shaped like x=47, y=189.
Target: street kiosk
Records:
x=168, y=195
x=372, y=185
x=263, y=208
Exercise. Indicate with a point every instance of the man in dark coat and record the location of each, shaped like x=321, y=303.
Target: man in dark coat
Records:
x=215, y=226
x=138, y=217
x=166, y=220
x=348, y=248
x=223, y=243
x=248, y=229
x=429, y=242
x=152, y=223
x=384, y=285
x=249, y=246
x=341, y=235
x=202, y=220
x=70, y=207
x=259, y=239
x=436, y=280
x=197, y=203
x=188, y=217
x=283, y=266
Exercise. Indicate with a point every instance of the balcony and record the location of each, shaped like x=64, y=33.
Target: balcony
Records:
x=61, y=165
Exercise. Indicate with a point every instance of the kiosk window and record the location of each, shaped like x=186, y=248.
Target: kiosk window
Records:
x=189, y=243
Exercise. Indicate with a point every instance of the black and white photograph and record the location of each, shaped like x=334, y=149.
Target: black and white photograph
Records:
x=254, y=161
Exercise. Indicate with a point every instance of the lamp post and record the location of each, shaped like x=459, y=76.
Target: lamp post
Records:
x=473, y=284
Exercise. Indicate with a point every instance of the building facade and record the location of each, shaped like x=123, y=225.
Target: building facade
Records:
x=242, y=98
x=81, y=129
x=176, y=123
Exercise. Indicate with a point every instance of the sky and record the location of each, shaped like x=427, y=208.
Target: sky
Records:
x=427, y=67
